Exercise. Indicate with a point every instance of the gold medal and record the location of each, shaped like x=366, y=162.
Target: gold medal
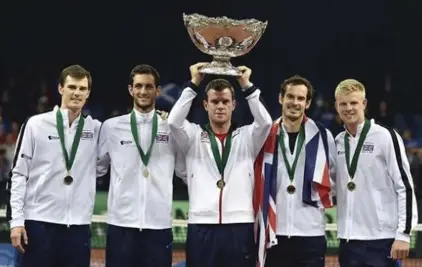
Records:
x=221, y=183
x=68, y=179
x=146, y=173
x=69, y=158
x=291, y=189
x=351, y=186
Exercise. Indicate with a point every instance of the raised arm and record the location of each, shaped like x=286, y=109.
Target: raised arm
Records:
x=182, y=130
x=261, y=126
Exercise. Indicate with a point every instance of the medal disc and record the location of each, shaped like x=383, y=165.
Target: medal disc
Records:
x=68, y=180
x=221, y=183
x=146, y=173
x=291, y=189
x=351, y=186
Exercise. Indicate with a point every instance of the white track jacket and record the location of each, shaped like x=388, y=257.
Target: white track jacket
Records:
x=209, y=204
x=38, y=191
x=136, y=201
x=383, y=205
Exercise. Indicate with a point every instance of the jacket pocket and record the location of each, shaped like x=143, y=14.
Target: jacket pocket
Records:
x=38, y=188
x=386, y=209
x=114, y=198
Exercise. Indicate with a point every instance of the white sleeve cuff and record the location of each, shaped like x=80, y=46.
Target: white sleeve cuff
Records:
x=191, y=91
x=249, y=85
x=402, y=237
x=17, y=223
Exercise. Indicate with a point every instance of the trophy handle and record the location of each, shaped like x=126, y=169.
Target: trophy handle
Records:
x=221, y=66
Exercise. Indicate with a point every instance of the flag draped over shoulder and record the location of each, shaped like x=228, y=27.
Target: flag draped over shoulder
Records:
x=316, y=184
x=265, y=195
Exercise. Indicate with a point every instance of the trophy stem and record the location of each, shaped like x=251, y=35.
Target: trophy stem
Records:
x=222, y=59
x=221, y=66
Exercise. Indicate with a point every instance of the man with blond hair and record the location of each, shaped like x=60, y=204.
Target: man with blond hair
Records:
x=375, y=197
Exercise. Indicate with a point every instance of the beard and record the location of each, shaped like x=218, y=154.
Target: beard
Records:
x=293, y=117
x=144, y=107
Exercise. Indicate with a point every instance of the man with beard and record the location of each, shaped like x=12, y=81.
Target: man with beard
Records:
x=53, y=179
x=219, y=160
x=302, y=155
x=142, y=154
x=375, y=197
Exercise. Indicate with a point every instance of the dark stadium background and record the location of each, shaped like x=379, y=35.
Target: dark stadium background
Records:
x=377, y=42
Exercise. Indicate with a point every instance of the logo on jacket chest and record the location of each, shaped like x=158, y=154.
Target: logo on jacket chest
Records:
x=162, y=138
x=52, y=137
x=87, y=135
x=205, y=138
x=366, y=149
x=125, y=142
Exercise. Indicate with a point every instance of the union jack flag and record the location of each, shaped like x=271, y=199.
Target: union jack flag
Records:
x=316, y=186
x=265, y=196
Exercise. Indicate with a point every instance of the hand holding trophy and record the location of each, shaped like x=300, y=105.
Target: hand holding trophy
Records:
x=196, y=75
x=244, y=78
x=223, y=38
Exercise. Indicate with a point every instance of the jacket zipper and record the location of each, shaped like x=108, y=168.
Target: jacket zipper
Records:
x=290, y=218
x=220, y=208
x=143, y=203
x=349, y=220
x=350, y=200
x=220, y=201
x=69, y=189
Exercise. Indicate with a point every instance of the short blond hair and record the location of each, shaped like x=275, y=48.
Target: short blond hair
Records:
x=349, y=86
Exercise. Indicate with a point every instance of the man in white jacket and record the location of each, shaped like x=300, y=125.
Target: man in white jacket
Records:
x=304, y=155
x=54, y=178
x=220, y=174
x=143, y=156
x=375, y=197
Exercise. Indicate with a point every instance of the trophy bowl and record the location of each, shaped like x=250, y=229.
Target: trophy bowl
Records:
x=223, y=38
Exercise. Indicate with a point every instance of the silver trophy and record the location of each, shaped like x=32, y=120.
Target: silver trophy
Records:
x=223, y=38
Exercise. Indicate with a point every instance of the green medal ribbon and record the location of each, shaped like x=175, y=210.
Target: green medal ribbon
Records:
x=352, y=168
x=301, y=139
x=221, y=162
x=60, y=129
x=134, y=129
